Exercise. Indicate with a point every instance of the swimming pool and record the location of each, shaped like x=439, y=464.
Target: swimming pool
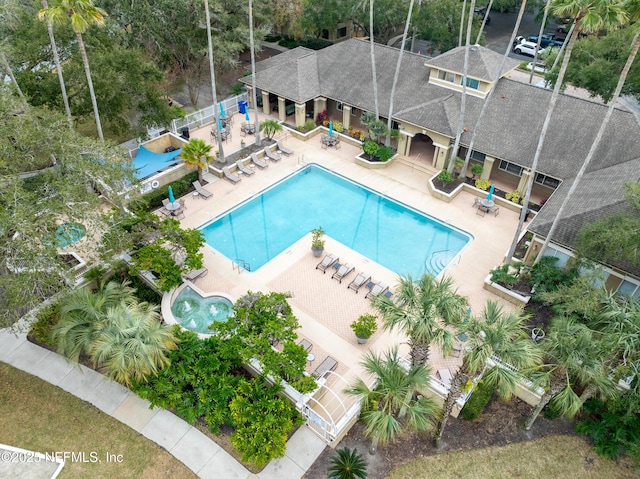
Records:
x=394, y=235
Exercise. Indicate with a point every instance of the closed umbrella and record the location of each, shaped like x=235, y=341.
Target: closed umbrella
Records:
x=171, y=197
x=330, y=128
x=246, y=116
x=490, y=195
x=222, y=113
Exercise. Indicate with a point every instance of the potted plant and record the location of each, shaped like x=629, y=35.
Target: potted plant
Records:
x=476, y=170
x=317, y=241
x=364, y=327
x=242, y=143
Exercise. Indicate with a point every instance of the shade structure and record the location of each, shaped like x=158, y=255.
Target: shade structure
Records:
x=490, y=195
x=222, y=113
x=246, y=116
x=171, y=197
x=330, y=128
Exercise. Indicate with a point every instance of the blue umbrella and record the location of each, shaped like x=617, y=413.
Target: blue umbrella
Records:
x=222, y=113
x=246, y=116
x=330, y=128
x=219, y=124
x=490, y=195
x=171, y=197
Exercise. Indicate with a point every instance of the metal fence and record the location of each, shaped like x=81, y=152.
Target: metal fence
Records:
x=206, y=116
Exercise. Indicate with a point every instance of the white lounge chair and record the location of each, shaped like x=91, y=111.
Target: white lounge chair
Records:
x=272, y=155
x=244, y=169
x=377, y=290
x=327, y=261
x=230, y=176
x=201, y=191
x=343, y=271
x=329, y=364
x=359, y=281
x=284, y=149
x=197, y=273
x=258, y=162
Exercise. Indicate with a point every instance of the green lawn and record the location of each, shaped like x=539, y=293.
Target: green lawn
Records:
x=37, y=416
x=555, y=457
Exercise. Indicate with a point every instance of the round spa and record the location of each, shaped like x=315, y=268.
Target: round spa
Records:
x=69, y=233
x=194, y=310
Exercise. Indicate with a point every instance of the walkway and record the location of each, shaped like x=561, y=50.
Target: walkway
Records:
x=190, y=446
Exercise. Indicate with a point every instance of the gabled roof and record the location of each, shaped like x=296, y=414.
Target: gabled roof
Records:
x=484, y=64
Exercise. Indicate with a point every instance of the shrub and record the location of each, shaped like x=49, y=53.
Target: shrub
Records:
x=347, y=464
x=370, y=148
x=385, y=153
x=547, y=277
x=503, y=274
x=153, y=199
x=46, y=318
x=476, y=169
x=481, y=396
x=337, y=126
x=483, y=184
x=445, y=177
x=321, y=117
x=513, y=196
x=365, y=326
x=310, y=125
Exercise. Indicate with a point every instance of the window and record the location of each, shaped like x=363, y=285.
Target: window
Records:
x=339, y=106
x=476, y=155
x=447, y=76
x=471, y=83
x=353, y=111
x=547, y=181
x=627, y=288
x=342, y=32
x=511, y=168
x=554, y=253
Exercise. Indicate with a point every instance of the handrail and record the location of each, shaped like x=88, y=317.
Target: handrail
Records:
x=240, y=263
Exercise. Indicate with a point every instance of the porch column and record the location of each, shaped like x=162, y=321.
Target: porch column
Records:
x=487, y=167
x=404, y=143
x=282, y=112
x=524, y=181
x=346, y=116
x=266, y=106
x=319, y=104
x=440, y=156
x=301, y=109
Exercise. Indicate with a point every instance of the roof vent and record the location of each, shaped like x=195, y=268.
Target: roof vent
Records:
x=474, y=48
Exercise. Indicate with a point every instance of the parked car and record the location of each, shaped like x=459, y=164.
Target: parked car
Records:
x=527, y=48
x=481, y=12
x=540, y=67
x=547, y=40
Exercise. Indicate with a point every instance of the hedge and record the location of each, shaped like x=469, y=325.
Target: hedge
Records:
x=153, y=199
x=479, y=398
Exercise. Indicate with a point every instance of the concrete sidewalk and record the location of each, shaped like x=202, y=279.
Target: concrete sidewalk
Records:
x=199, y=453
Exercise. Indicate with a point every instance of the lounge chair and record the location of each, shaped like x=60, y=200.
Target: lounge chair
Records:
x=273, y=156
x=359, y=280
x=195, y=274
x=201, y=191
x=284, y=149
x=306, y=344
x=343, y=271
x=377, y=290
x=326, y=262
x=329, y=364
x=230, y=176
x=244, y=169
x=258, y=162
x=445, y=377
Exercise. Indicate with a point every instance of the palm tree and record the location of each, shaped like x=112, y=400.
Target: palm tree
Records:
x=635, y=44
x=270, y=127
x=574, y=358
x=253, y=69
x=80, y=14
x=196, y=155
x=489, y=97
x=133, y=343
x=213, y=76
x=387, y=141
x=56, y=59
x=347, y=464
x=392, y=405
x=9, y=70
x=495, y=334
x=463, y=99
x=421, y=310
x=589, y=17
x=82, y=314
x=484, y=22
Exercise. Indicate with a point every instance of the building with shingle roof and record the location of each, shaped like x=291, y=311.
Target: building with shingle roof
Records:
x=426, y=106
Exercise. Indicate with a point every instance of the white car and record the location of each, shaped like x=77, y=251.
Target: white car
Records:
x=527, y=48
x=540, y=67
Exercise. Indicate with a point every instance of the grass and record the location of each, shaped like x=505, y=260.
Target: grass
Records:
x=37, y=416
x=552, y=456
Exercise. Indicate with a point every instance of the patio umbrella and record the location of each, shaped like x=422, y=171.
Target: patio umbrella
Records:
x=490, y=195
x=171, y=197
x=219, y=124
x=246, y=116
x=222, y=113
x=330, y=128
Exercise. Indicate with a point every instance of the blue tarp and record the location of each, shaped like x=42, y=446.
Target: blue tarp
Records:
x=147, y=162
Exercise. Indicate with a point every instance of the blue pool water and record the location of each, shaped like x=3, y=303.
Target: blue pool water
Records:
x=398, y=237
x=196, y=313
x=69, y=233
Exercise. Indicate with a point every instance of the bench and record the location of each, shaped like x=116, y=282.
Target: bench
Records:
x=329, y=364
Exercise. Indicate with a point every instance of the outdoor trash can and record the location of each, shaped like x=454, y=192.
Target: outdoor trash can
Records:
x=243, y=105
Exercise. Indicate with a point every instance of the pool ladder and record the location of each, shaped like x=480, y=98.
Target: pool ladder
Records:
x=240, y=263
